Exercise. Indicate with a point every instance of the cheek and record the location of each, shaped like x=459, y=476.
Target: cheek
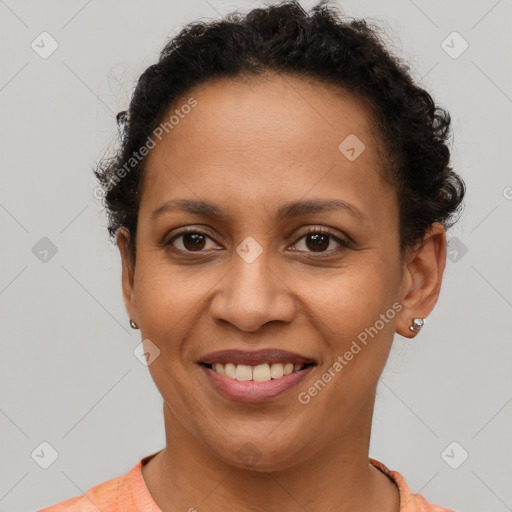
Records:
x=164, y=297
x=354, y=316
x=359, y=309
x=172, y=303
x=347, y=300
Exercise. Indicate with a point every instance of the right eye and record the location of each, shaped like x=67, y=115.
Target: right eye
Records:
x=192, y=240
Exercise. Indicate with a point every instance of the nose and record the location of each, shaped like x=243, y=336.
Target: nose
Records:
x=252, y=295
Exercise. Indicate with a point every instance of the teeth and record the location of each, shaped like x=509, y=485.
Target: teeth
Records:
x=243, y=372
x=229, y=369
x=259, y=373
x=276, y=370
x=219, y=368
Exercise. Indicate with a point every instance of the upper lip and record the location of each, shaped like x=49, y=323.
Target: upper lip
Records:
x=269, y=356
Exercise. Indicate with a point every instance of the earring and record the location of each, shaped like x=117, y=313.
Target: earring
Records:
x=133, y=325
x=417, y=324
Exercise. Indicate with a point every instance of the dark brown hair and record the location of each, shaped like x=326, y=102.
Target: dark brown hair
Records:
x=323, y=45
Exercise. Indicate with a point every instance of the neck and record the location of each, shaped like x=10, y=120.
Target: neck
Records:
x=186, y=475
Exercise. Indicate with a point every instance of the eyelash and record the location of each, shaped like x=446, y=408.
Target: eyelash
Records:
x=345, y=244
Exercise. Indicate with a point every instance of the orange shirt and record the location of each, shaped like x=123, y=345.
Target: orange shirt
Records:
x=129, y=493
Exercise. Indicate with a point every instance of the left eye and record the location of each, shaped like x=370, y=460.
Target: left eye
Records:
x=318, y=240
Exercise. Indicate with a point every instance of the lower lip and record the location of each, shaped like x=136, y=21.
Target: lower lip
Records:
x=252, y=391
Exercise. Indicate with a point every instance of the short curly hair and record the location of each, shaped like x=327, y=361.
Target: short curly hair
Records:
x=324, y=46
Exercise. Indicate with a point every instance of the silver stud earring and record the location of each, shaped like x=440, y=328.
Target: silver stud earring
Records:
x=417, y=324
x=133, y=325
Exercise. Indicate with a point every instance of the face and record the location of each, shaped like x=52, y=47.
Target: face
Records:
x=325, y=283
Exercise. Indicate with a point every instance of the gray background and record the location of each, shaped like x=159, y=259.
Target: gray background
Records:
x=68, y=374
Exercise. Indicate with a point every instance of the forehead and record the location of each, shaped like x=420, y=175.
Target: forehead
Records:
x=254, y=136
x=278, y=111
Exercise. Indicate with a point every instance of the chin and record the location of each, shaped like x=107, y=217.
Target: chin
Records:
x=262, y=454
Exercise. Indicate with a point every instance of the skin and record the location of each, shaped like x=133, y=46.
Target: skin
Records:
x=250, y=146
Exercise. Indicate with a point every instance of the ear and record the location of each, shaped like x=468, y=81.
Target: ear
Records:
x=128, y=273
x=422, y=276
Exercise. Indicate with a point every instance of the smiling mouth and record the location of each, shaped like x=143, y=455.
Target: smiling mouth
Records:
x=258, y=373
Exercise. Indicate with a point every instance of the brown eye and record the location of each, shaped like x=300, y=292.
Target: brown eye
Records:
x=318, y=240
x=191, y=241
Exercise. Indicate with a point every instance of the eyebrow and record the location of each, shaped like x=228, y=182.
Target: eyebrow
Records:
x=286, y=211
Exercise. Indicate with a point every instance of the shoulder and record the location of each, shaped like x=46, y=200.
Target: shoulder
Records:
x=409, y=501
x=108, y=495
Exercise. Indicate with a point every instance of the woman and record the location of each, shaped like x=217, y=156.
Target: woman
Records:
x=280, y=201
